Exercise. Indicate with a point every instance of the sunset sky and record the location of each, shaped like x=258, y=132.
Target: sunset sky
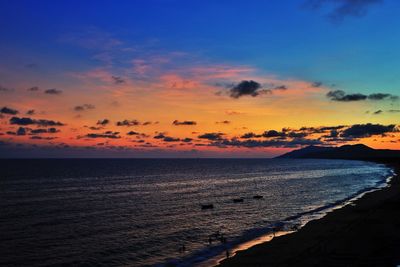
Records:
x=216, y=78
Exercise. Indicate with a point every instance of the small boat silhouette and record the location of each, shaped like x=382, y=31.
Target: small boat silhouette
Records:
x=257, y=197
x=237, y=200
x=207, y=206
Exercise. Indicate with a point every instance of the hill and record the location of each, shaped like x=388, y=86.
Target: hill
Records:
x=358, y=151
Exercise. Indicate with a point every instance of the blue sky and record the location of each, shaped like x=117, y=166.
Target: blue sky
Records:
x=282, y=37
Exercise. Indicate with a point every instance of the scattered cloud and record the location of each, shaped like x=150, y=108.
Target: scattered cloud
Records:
x=53, y=91
x=337, y=10
x=128, y=123
x=5, y=89
x=103, y=122
x=380, y=96
x=84, y=107
x=170, y=139
x=251, y=143
x=177, y=123
x=132, y=133
x=29, y=121
x=211, y=136
x=223, y=122
x=159, y=136
x=51, y=130
x=233, y=112
x=10, y=111
x=21, y=131
x=367, y=130
x=118, y=79
x=245, y=88
x=108, y=134
x=33, y=89
x=341, y=96
x=250, y=135
x=316, y=84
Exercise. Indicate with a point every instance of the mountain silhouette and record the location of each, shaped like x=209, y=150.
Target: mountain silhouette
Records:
x=358, y=151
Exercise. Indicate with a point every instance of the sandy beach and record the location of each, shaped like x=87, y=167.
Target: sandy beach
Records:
x=364, y=234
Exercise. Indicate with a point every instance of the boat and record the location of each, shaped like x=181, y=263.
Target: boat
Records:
x=237, y=200
x=207, y=206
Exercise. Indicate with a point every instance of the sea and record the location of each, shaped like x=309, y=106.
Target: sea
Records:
x=163, y=212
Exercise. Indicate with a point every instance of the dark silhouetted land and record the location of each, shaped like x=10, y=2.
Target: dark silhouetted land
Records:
x=364, y=234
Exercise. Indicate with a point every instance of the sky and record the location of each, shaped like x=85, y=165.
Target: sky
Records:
x=212, y=78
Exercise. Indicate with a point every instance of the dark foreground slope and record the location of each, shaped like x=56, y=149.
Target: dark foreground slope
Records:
x=365, y=234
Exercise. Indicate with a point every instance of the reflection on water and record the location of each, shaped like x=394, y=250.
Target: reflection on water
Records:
x=141, y=212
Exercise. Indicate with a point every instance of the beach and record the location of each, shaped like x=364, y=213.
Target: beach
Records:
x=365, y=233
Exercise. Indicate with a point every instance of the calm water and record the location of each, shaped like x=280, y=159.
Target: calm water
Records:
x=140, y=211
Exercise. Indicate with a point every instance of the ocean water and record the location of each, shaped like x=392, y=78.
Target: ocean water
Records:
x=138, y=212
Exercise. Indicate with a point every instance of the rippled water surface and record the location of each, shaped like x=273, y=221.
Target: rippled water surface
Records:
x=140, y=211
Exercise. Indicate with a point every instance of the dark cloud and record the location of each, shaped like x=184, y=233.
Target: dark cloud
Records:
x=6, y=110
x=38, y=131
x=170, y=139
x=43, y=138
x=5, y=89
x=84, y=107
x=223, y=122
x=316, y=84
x=251, y=143
x=380, y=96
x=325, y=128
x=339, y=95
x=339, y=9
x=211, y=136
x=128, y=123
x=187, y=140
x=21, y=131
x=367, y=130
x=273, y=133
x=177, y=123
x=51, y=130
x=33, y=89
x=250, y=135
x=108, y=134
x=118, y=79
x=297, y=134
x=333, y=134
x=103, y=122
x=94, y=128
x=53, y=91
x=29, y=121
x=132, y=133
x=245, y=88
x=280, y=87
x=30, y=112
x=159, y=136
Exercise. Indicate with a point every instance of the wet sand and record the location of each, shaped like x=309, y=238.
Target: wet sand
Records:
x=364, y=234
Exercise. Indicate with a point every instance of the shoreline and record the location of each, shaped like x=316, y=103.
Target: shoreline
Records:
x=334, y=238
